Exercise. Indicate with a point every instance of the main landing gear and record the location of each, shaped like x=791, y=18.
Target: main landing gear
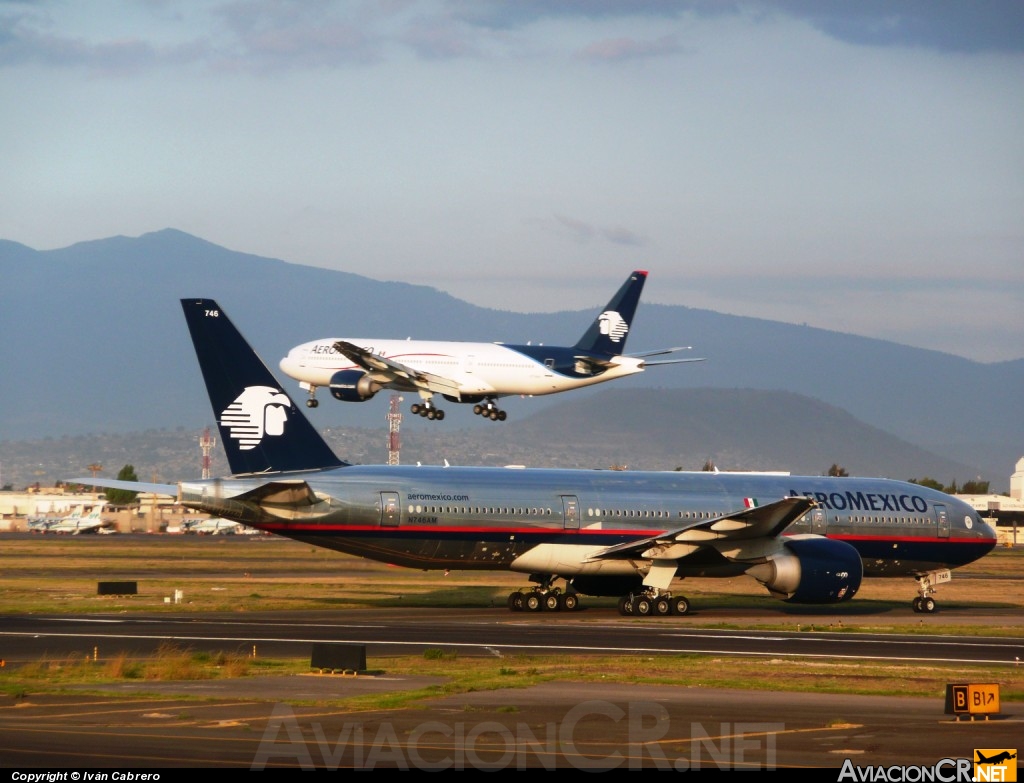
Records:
x=923, y=602
x=653, y=604
x=427, y=410
x=490, y=411
x=544, y=597
x=537, y=600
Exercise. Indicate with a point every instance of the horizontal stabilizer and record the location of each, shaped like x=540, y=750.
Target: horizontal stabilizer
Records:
x=131, y=486
x=660, y=352
x=289, y=493
x=664, y=352
x=671, y=361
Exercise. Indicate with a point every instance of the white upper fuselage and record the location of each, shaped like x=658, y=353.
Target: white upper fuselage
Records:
x=475, y=368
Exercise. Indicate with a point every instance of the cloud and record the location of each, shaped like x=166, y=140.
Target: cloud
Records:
x=278, y=35
x=584, y=232
x=944, y=25
x=612, y=49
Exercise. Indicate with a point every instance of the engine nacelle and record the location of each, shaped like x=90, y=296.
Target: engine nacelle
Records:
x=812, y=570
x=353, y=386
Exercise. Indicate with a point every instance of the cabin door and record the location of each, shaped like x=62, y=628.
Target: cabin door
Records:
x=943, y=518
x=389, y=509
x=570, y=512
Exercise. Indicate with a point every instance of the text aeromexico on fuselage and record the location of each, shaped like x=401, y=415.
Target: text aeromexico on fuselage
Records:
x=634, y=535
x=355, y=369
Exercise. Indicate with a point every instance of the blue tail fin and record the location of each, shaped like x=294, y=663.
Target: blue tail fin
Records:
x=260, y=427
x=607, y=334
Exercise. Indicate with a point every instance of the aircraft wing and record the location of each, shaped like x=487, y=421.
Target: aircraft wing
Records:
x=377, y=364
x=760, y=522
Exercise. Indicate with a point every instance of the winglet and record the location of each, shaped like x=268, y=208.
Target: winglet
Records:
x=607, y=334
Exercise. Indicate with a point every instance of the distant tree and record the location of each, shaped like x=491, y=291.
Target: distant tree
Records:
x=709, y=465
x=123, y=497
x=928, y=482
x=976, y=487
x=951, y=489
x=836, y=470
x=7, y=488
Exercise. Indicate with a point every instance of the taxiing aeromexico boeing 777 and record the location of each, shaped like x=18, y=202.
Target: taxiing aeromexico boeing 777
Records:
x=356, y=368
x=629, y=534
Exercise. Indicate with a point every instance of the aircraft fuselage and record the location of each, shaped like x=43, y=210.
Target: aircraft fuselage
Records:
x=478, y=369
x=488, y=519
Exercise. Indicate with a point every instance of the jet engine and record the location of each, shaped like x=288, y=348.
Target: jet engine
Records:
x=353, y=386
x=811, y=570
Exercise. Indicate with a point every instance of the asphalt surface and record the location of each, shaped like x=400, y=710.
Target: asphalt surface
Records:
x=287, y=722
x=295, y=721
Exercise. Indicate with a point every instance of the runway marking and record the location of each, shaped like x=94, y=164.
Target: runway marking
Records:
x=746, y=734
x=491, y=646
x=135, y=709
x=874, y=639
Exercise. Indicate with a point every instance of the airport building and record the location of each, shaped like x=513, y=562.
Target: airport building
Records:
x=1005, y=513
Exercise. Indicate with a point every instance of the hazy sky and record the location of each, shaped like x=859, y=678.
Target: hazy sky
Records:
x=856, y=166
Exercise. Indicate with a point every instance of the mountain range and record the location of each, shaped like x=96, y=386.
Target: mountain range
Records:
x=92, y=341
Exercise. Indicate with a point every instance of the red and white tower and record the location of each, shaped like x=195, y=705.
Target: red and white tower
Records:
x=207, y=442
x=394, y=419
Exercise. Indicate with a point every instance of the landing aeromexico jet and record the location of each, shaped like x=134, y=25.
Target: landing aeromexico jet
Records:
x=630, y=534
x=356, y=368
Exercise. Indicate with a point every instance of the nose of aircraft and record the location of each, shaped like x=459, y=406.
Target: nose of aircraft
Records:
x=290, y=363
x=974, y=525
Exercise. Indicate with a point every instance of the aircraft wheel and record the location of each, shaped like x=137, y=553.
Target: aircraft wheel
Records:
x=626, y=605
x=431, y=414
x=502, y=415
x=493, y=415
x=477, y=410
x=440, y=415
x=642, y=606
x=311, y=403
x=569, y=601
x=928, y=605
x=415, y=408
x=515, y=601
x=916, y=604
x=680, y=605
x=551, y=603
x=532, y=602
x=662, y=607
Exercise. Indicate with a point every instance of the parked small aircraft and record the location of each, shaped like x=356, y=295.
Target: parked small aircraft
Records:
x=631, y=534
x=42, y=524
x=214, y=526
x=76, y=523
x=356, y=368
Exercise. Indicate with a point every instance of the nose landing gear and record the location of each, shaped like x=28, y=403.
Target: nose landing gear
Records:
x=923, y=602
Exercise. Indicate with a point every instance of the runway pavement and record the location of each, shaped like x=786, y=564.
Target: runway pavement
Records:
x=288, y=722
x=295, y=721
